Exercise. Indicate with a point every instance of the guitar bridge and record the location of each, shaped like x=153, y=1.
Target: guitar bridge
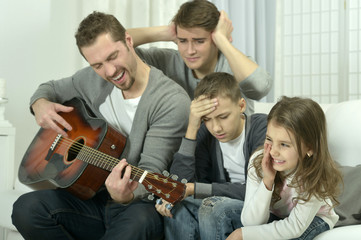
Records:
x=52, y=147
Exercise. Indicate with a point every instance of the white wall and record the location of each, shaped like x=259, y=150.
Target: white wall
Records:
x=36, y=45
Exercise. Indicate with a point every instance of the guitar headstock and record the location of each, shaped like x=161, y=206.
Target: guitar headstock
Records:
x=164, y=187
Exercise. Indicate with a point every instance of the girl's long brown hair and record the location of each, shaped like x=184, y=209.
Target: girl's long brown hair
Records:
x=317, y=175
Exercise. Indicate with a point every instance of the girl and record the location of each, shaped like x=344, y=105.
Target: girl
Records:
x=293, y=176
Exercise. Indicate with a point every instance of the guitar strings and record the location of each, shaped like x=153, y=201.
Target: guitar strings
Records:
x=95, y=154
x=108, y=159
x=77, y=147
x=137, y=171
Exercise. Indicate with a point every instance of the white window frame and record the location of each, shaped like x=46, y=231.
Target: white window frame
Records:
x=339, y=87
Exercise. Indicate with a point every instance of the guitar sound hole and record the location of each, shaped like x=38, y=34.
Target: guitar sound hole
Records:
x=75, y=149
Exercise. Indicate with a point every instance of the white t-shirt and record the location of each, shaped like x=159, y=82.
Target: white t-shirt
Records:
x=233, y=158
x=119, y=111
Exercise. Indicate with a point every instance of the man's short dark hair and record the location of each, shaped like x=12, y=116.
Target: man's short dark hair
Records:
x=95, y=24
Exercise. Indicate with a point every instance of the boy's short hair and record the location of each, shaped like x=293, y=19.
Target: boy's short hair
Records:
x=219, y=84
x=95, y=24
x=197, y=13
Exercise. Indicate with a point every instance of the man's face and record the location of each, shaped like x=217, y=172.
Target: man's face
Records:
x=226, y=122
x=113, y=61
x=197, y=49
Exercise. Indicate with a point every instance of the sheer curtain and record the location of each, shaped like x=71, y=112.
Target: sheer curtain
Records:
x=254, y=30
x=318, y=49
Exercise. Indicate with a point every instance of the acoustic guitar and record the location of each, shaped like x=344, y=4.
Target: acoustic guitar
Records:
x=81, y=162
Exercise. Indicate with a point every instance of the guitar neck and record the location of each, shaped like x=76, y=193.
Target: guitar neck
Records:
x=164, y=187
x=106, y=162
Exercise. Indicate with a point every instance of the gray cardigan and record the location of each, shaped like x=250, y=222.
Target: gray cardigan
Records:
x=159, y=123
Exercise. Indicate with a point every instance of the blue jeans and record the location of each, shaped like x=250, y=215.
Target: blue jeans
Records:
x=56, y=214
x=212, y=218
x=219, y=217
x=184, y=224
x=316, y=227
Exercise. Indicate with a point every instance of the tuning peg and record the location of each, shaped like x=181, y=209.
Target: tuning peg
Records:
x=184, y=181
x=151, y=197
x=175, y=177
x=165, y=173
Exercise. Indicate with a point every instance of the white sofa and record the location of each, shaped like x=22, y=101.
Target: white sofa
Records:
x=7, y=199
x=344, y=125
x=344, y=139
x=8, y=194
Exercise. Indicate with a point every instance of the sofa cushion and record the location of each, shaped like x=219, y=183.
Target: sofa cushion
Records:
x=349, y=209
x=344, y=132
x=344, y=141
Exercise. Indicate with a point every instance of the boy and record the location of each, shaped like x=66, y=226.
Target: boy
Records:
x=213, y=157
x=203, y=37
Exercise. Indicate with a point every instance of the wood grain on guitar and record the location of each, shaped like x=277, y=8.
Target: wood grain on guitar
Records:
x=81, y=163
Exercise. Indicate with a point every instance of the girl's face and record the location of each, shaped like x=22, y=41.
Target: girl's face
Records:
x=284, y=153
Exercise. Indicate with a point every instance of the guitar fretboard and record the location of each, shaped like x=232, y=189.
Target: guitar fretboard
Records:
x=99, y=159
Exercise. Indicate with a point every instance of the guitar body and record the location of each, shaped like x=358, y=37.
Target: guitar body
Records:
x=51, y=163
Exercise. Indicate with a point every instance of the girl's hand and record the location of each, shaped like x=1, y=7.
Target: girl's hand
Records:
x=172, y=33
x=236, y=235
x=269, y=173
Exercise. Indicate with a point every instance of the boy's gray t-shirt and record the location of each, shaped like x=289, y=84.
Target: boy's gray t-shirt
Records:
x=168, y=60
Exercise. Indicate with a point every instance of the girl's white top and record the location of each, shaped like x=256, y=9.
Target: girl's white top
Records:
x=296, y=216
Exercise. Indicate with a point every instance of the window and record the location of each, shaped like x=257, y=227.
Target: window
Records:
x=318, y=49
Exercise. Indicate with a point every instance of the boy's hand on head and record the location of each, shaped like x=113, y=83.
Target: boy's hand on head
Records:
x=172, y=32
x=200, y=107
x=223, y=29
x=269, y=173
